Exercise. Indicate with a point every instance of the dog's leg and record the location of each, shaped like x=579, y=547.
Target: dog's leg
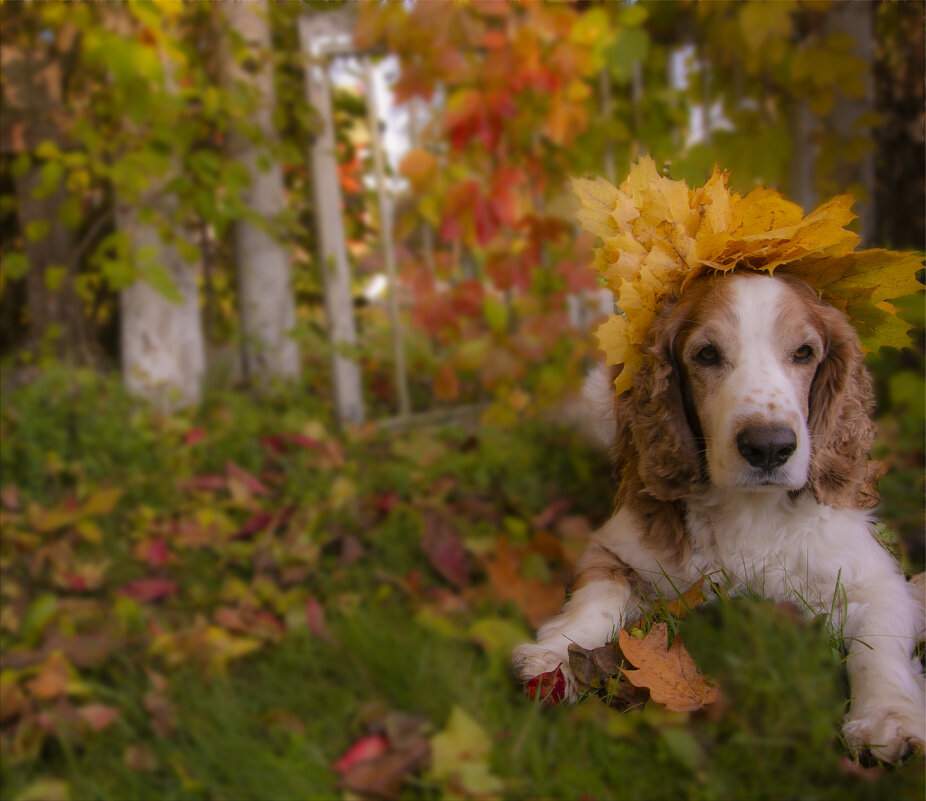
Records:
x=600, y=593
x=883, y=621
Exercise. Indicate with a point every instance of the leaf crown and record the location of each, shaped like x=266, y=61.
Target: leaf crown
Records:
x=658, y=235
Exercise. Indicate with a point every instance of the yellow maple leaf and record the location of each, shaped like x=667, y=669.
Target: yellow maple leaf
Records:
x=658, y=236
x=599, y=199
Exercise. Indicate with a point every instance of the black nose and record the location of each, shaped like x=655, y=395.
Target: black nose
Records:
x=766, y=446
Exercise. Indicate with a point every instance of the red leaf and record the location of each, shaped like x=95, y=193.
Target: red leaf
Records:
x=386, y=501
x=383, y=777
x=305, y=442
x=551, y=514
x=252, y=483
x=257, y=522
x=74, y=581
x=193, y=436
x=206, y=482
x=365, y=749
x=149, y=589
x=158, y=553
x=315, y=619
x=446, y=384
x=275, y=442
x=467, y=298
x=494, y=40
x=445, y=551
x=549, y=688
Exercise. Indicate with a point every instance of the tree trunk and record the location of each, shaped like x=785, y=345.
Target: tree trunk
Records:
x=163, y=353
x=265, y=292
x=858, y=175
x=162, y=342
x=34, y=111
x=56, y=323
x=802, y=127
x=316, y=34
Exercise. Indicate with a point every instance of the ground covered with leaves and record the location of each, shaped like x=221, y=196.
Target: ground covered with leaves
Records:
x=240, y=603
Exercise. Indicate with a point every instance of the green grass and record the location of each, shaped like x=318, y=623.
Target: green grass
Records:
x=777, y=739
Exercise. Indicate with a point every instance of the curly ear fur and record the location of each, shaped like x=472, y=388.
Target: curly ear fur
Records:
x=841, y=404
x=655, y=413
x=655, y=450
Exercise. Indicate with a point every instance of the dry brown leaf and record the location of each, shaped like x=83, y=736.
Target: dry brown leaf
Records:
x=670, y=674
x=688, y=600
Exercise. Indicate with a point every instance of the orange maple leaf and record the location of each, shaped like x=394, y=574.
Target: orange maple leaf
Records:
x=670, y=674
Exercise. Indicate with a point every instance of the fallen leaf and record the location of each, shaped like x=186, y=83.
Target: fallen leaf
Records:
x=88, y=650
x=53, y=677
x=205, y=482
x=250, y=482
x=98, y=716
x=101, y=502
x=155, y=552
x=315, y=619
x=284, y=720
x=140, y=758
x=148, y=589
x=537, y=600
x=688, y=600
x=549, y=688
x=257, y=522
x=382, y=777
x=159, y=706
x=47, y=520
x=553, y=512
x=594, y=666
x=445, y=550
x=46, y=790
x=9, y=497
x=303, y=441
x=670, y=674
x=13, y=701
x=460, y=755
x=89, y=531
x=366, y=748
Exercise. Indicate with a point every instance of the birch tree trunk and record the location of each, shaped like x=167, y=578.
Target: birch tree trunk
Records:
x=162, y=343
x=163, y=351
x=317, y=34
x=262, y=263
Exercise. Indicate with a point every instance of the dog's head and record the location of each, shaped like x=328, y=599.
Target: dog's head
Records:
x=750, y=382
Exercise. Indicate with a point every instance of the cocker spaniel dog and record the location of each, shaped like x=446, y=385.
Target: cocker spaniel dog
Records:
x=742, y=452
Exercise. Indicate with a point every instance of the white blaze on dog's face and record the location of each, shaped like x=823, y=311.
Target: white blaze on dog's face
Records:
x=749, y=361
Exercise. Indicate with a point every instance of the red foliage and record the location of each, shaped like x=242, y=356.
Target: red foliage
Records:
x=549, y=688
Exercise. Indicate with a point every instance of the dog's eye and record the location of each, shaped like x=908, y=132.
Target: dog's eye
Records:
x=803, y=354
x=708, y=355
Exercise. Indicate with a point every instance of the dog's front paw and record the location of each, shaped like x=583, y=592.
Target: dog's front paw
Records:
x=530, y=660
x=890, y=733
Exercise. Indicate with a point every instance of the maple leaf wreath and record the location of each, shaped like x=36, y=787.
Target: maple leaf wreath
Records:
x=658, y=235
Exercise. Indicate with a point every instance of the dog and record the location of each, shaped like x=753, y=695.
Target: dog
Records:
x=741, y=451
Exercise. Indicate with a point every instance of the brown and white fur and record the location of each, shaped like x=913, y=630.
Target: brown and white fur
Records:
x=742, y=455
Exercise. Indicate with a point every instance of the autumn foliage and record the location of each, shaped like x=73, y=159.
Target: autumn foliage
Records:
x=658, y=235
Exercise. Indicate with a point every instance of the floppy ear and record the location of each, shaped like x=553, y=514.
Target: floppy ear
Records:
x=841, y=429
x=653, y=430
